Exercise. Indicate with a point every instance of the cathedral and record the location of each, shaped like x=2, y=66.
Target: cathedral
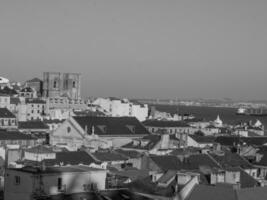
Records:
x=56, y=84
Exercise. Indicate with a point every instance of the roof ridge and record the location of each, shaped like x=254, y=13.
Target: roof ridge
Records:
x=214, y=160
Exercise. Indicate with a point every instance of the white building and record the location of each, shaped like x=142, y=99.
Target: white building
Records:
x=4, y=101
x=36, y=109
x=122, y=108
x=4, y=81
x=29, y=182
x=94, y=131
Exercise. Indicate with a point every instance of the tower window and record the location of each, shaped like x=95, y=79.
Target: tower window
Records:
x=17, y=180
x=55, y=84
x=59, y=183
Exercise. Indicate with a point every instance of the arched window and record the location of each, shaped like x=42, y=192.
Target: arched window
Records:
x=74, y=84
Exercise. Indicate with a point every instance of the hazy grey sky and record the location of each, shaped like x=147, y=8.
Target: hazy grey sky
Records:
x=140, y=48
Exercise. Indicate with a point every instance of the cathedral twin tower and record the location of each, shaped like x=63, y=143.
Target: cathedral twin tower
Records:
x=56, y=84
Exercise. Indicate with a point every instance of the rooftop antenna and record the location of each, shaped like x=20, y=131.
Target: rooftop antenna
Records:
x=93, y=130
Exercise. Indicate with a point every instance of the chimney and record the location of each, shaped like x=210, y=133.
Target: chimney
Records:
x=165, y=140
x=153, y=111
x=93, y=130
x=43, y=167
x=176, y=184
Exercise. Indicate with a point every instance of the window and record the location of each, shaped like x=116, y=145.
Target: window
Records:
x=234, y=176
x=74, y=84
x=253, y=174
x=68, y=129
x=17, y=180
x=55, y=84
x=59, y=183
x=93, y=186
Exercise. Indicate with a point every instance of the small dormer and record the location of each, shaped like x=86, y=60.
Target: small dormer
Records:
x=103, y=128
x=144, y=143
x=131, y=128
x=136, y=142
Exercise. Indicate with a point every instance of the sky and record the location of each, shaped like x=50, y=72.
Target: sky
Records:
x=140, y=48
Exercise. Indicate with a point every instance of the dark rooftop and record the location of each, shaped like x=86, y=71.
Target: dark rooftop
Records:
x=33, y=125
x=5, y=113
x=112, y=125
x=203, y=192
x=203, y=139
x=55, y=170
x=14, y=135
x=71, y=158
x=229, y=159
x=107, y=156
x=163, y=123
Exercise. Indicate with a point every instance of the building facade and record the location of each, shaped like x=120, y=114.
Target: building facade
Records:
x=33, y=183
x=36, y=109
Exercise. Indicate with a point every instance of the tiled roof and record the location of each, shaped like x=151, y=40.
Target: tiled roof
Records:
x=5, y=113
x=112, y=125
x=203, y=139
x=129, y=154
x=229, y=159
x=107, y=156
x=32, y=125
x=71, y=158
x=55, y=170
x=40, y=150
x=255, y=193
x=247, y=181
x=186, y=151
x=203, y=192
x=192, y=162
x=163, y=123
x=14, y=135
x=166, y=163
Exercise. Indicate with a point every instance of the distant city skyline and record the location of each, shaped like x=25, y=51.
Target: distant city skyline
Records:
x=140, y=49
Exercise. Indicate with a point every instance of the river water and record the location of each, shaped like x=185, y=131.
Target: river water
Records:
x=227, y=115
